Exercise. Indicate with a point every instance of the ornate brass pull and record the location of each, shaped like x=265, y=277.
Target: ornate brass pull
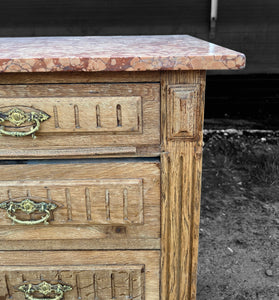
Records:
x=28, y=206
x=17, y=117
x=44, y=288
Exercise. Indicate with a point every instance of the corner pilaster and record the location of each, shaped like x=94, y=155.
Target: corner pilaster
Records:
x=182, y=109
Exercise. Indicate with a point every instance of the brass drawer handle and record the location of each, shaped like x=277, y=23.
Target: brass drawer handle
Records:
x=44, y=288
x=18, y=117
x=28, y=206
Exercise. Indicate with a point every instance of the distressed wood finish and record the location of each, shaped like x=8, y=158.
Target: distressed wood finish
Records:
x=119, y=241
x=84, y=118
x=97, y=200
x=181, y=133
x=90, y=152
x=92, y=275
x=94, y=199
x=87, y=282
x=79, y=77
x=81, y=115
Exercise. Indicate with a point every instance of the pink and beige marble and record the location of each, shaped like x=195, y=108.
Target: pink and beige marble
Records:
x=115, y=53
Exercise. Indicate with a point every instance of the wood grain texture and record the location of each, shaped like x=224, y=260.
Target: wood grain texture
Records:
x=102, y=220
x=184, y=111
x=120, y=242
x=181, y=183
x=92, y=115
x=79, y=77
x=93, y=152
x=97, y=200
x=84, y=116
x=92, y=275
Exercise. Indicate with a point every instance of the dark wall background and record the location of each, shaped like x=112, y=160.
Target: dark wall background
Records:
x=249, y=26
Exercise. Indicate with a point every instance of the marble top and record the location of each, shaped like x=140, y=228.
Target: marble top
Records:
x=115, y=53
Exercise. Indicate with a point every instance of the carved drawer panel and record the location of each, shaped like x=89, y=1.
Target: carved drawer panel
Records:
x=184, y=111
x=78, y=119
x=85, y=275
x=74, y=201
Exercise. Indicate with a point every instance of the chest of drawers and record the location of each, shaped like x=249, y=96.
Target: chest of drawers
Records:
x=101, y=153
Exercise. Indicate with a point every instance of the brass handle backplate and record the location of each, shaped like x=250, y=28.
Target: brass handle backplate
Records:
x=44, y=288
x=28, y=206
x=18, y=117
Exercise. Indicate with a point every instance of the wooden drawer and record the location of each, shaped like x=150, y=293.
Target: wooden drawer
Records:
x=100, y=200
x=85, y=275
x=78, y=119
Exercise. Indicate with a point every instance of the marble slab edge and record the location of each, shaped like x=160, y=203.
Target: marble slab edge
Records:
x=95, y=54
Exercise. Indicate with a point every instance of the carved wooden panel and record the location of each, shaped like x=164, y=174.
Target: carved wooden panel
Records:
x=83, y=118
x=82, y=114
x=92, y=275
x=106, y=201
x=183, y=110
x=86, y=282
x=102, y=200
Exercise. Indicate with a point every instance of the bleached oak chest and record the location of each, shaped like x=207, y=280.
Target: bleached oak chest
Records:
x=101, y=153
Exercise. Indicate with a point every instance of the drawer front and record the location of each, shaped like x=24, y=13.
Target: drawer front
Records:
x=78, y=119
x=80, y=201
x=82, y=275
